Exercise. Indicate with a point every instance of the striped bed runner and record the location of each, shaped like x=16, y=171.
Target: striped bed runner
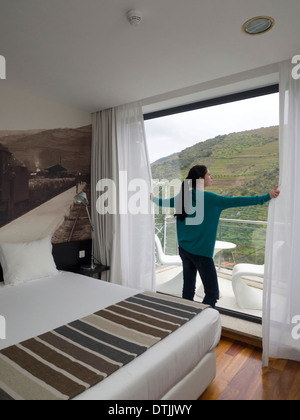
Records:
x=67, y=361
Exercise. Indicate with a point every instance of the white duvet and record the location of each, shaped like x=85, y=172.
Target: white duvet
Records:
x=41, y=305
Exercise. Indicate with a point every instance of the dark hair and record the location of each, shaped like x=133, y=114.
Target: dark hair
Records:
x=196, y=172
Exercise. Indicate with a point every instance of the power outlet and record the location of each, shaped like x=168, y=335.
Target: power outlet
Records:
x=81, y=254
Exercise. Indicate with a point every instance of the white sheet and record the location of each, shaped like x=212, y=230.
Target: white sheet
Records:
x=42, y=305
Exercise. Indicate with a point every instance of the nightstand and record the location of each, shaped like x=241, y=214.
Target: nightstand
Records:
x=99, y=268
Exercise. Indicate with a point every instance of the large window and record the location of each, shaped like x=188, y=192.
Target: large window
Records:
x=236, y=137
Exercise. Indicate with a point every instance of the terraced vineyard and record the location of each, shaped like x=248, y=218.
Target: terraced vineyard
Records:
x=242, y=164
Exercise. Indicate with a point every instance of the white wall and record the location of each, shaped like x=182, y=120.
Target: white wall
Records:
x=251, y=79
x=20, y=110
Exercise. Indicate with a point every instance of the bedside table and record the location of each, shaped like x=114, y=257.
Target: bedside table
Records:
x=99, y=268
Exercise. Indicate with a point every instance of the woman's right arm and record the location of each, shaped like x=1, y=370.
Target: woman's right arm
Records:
x=164, y=202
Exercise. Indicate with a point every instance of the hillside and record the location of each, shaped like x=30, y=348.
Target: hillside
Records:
x=45, y=148
x=243, y=163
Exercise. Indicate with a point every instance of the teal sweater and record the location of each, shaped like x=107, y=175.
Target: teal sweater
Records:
x=200, y=238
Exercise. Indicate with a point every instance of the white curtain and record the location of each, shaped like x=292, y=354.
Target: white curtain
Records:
x=124, y=227
x=136, y=219
x=281, y=309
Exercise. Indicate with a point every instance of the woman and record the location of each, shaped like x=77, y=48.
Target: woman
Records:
x=198, y=213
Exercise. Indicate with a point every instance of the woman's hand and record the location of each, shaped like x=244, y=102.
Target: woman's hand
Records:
x=275, y=192
x=151, y=196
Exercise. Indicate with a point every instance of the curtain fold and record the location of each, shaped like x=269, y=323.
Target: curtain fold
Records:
x=136, y=219
x=104, y=165
x=281, y=307
x=124, y=224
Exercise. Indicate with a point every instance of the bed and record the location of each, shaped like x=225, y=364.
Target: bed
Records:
x=180, y=366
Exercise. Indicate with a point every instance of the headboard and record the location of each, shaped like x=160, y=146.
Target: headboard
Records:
x=66, y=255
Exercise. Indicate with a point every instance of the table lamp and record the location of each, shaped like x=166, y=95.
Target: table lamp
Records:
x=81, y=198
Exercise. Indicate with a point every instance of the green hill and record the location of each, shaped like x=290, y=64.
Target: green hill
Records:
x=243, y=163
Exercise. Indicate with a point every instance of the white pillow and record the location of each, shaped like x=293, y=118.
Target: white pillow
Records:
x=23, y=262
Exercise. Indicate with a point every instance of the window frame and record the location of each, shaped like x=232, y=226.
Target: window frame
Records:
x=248, y=94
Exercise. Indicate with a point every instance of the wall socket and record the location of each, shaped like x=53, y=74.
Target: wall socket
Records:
x=81, y=254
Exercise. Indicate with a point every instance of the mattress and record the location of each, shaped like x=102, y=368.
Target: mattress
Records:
x=41, y=305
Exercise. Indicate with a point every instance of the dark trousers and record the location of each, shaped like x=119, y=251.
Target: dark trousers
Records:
x=207, y=270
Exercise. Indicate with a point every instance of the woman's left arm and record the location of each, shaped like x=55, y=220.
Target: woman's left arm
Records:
x=228, y=202
x=275, y=192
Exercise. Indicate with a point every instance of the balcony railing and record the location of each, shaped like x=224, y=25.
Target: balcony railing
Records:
x=248, y=235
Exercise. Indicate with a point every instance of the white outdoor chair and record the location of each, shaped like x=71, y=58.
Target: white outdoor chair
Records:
x=166, y=259
x=247, y=297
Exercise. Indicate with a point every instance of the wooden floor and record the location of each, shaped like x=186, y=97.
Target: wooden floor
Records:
x=240, y=375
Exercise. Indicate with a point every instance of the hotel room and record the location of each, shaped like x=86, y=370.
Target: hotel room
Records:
x=80, y=316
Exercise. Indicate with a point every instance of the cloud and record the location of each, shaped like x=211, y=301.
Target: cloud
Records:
x=171, y=134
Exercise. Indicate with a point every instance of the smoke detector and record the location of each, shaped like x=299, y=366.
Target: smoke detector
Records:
x=134, y=17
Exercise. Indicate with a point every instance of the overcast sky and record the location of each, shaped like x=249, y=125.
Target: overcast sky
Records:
x=174, y=133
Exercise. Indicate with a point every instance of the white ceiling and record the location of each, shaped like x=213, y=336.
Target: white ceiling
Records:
x=84, y=53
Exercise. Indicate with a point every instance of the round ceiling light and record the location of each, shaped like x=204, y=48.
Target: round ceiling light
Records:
x=258, y=25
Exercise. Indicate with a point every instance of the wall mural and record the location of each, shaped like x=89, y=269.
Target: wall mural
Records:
x=40, y=173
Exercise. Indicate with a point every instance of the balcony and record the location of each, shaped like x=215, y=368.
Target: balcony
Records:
x=249, y=237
